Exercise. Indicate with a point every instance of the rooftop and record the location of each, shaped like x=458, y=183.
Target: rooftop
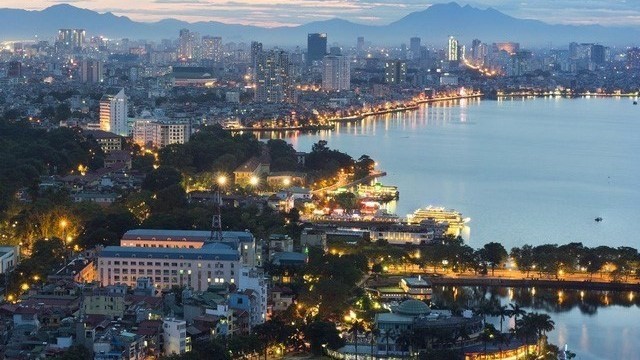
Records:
x=219, y=252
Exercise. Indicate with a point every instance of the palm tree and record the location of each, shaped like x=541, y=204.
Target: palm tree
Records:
x=541, y=324
x=463, y=335
x=356, y=328
x=387, y=336
x=374, y=333
x=404, y=340
x=501, y=311
x=487, y=334
x=515, y=311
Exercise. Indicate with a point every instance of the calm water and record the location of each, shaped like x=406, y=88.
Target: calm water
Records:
x=595, y=325
x=524, y=171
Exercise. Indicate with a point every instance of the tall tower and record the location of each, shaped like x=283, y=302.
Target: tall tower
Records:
x=113, y=112
x=273, y=77
x=316, y=47
x=185, y=45
x=336, y=73
x=452, y=49
x=415, y=47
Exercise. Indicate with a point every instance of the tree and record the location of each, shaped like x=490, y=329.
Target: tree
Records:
x=347, y=200
x=322, y=333
x=356, y=328
x=523, y=258
x=161, y=178
x=494, y=254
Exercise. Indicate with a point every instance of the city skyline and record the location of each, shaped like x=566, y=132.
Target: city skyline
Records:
x=282, y=13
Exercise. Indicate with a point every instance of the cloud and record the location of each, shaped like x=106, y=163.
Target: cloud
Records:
x=293, y=12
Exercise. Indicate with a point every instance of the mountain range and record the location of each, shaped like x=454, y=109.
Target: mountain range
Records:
x=433, y=25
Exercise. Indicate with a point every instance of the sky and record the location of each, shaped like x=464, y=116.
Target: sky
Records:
x=295, y=12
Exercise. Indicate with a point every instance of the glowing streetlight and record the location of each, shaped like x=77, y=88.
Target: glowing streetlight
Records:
x=222, y=180
x=24, y=287
x=254, y=181
x=63, y=223
x=286, y=182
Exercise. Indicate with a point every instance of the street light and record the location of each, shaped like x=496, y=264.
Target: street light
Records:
x=254, y=181
x=222, y=180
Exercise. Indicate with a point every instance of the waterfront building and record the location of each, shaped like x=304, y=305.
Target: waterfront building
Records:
x=404, y=235
x=395, y=72
x=316, y=47
x=417, y=288
x=113, y=112
x=336, y=75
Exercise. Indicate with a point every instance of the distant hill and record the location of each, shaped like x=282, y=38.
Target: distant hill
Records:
x=433, y=25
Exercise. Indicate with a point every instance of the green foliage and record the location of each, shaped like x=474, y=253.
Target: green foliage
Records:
x=324, y=163
x=320, y=333
x=283, y=155
x=161, y=178
x=211, y=149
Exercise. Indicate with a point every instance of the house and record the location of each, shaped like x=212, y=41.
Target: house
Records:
x=254, y=168
x=9, y=258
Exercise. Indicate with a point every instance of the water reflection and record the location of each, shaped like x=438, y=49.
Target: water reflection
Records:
x=612, y=334
x=539, y=299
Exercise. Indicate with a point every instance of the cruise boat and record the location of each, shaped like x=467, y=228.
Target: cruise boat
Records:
x=439, y=215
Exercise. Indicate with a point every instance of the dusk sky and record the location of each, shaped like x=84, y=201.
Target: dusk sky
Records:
x=294, y=12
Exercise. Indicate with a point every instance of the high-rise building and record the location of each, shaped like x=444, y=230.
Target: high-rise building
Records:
x=91, y=71
x=316, y=47
x=452, y=49
x=186, y=44
x=633, y=58
x=113, y=112
x=395, y=72
x=598, y=54
x=337, y=74
x=212, y=48
x=415, y=47
x=71, y=38
x=360, y=45
x=273, y=78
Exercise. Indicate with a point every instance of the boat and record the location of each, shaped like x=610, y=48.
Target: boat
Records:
x=598, y=219
x=635, y=103
x=452, y=218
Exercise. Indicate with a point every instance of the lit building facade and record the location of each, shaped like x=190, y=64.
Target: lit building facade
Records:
x=160, y=134
x=337, y=73
x=113, y=112
x=395, y=72
x=452, y=49
x=273, y=78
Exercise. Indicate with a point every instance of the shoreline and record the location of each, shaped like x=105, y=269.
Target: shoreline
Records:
x=528, y=283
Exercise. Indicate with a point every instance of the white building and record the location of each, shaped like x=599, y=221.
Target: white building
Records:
x=113, y=112
x=336, y=75
x=167, y=267
x=9, y=257
x=174, y=334
x=242, y=241
x=160, y=134
x=403, y=236
x=253, y=279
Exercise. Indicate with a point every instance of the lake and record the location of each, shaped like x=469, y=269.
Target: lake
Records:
x=526, y=171
x=596, y=325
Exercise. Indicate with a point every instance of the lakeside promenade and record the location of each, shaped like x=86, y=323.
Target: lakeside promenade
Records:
x=516, y=278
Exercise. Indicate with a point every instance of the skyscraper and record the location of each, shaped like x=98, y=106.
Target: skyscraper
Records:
x=360, y=45
x=71, y=38
x=186, y=45
x=336, y=74
x=395, y=72
x=273, y=78
x=113, y=112
x=415, y=47
x=452, y=49
x=316, y=47
x=91, y=71
x=212, y=48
